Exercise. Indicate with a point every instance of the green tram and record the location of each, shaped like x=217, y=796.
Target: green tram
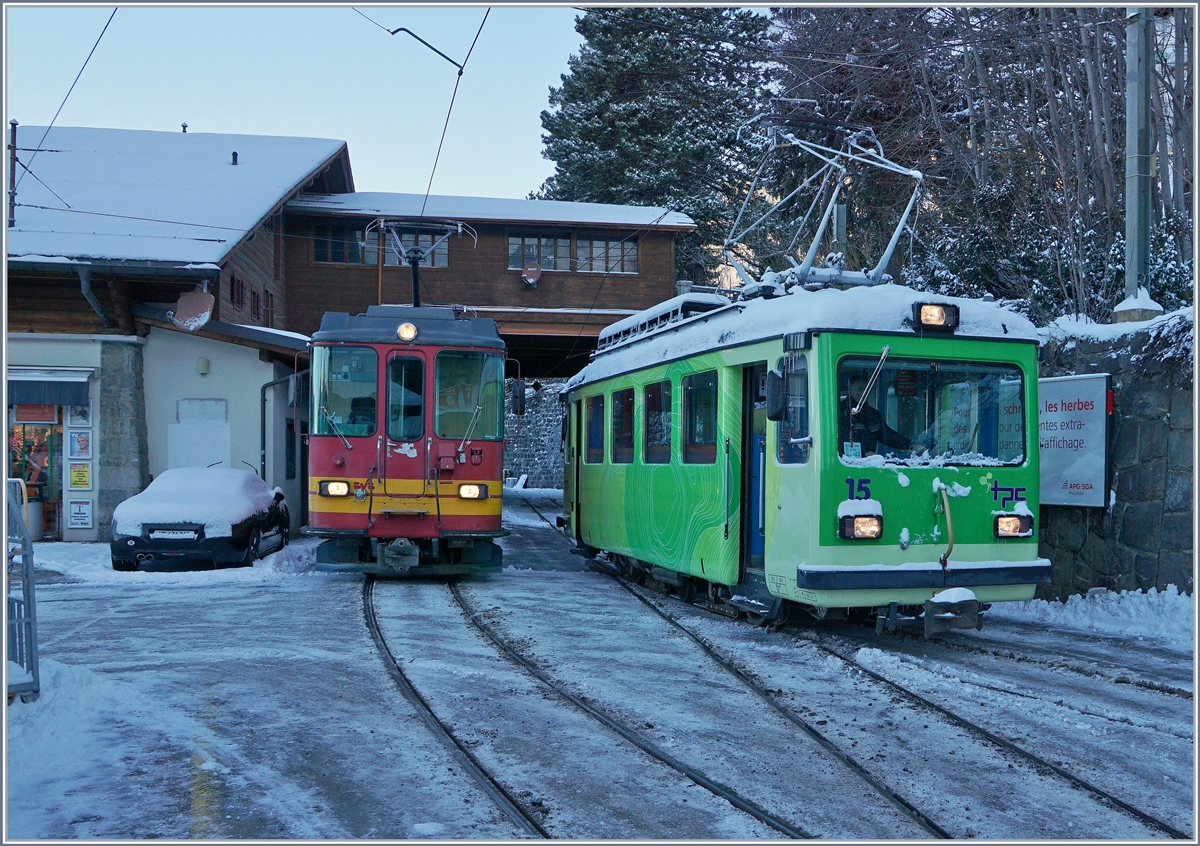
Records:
x=843, y=451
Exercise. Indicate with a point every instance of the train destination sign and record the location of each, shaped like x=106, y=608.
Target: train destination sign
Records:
x=1073, y=439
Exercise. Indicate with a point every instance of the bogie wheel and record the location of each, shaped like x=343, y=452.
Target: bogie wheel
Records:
x=687, y=590
x=124, y=566
x=760, y=620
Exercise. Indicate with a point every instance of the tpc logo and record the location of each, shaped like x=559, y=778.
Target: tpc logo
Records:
x=1007, y=495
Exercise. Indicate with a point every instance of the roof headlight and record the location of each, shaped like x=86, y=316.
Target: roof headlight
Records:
x=938, y=316
x=407, y=332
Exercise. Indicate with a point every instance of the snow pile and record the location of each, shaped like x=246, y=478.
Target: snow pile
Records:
x=1140, y=301
x=1082, y=326
x=1164, y=614
x=860, y=508
x=92, y=562
x=218, y=497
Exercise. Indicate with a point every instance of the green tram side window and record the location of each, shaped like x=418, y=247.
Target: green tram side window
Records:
x=794, y=426
x=700, y=418
x=406, y=398
x=657, y=398
x=594, y=453
x=622, y=427
x=470, y=396
x=345, y=390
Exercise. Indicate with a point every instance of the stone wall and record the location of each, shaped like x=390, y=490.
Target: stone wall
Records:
x=533, y=442
x=1146, y=538
x=123, y=461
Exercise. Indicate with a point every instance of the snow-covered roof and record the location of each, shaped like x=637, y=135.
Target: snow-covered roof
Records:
x=137, y=195
x=879, y=308
x=491, y=209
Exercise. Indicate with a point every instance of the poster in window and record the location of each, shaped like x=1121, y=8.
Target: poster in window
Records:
x=79, y=475
x=79, y=444
x=79, y=415
x=79, y=514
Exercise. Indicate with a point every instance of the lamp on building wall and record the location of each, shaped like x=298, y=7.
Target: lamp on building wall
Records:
x=202, y=366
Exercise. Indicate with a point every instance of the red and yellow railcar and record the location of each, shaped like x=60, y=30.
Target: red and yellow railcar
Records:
x=406, y=447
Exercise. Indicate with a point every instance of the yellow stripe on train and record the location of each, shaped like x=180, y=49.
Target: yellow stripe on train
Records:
x=406, y=495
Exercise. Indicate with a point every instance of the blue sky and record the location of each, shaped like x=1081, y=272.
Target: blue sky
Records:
x=320, y=72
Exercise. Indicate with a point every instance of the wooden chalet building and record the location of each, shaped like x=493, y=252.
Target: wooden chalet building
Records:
x=105, y=389
x=596, y=264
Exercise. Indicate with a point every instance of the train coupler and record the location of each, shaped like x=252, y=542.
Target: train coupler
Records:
x=955, y=608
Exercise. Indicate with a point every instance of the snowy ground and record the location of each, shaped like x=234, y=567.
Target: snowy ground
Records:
x=251, y=703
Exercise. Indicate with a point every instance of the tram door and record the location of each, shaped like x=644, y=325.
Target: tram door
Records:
x=573, y=450
x=754, y=448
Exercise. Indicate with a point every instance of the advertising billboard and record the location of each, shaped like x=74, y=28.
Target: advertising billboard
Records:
x=1073, y=439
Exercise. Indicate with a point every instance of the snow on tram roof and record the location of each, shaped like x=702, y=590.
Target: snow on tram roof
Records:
x=876, y=308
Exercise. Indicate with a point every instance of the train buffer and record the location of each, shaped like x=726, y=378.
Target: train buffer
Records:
x=953, y=608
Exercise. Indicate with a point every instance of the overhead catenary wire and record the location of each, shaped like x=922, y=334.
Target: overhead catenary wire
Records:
x=64, y=102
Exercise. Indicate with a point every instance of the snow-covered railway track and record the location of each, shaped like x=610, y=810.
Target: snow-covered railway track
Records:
x=626, y=731
x=974, y=727
x=907, y=807
x=487, y=783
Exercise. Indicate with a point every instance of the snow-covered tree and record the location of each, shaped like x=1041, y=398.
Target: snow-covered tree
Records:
x=649, y=115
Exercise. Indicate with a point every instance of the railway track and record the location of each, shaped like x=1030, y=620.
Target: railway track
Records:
x=630, y=734
x=512, y=809
x=923, y=702
x=1036, y=761
x=978, y=730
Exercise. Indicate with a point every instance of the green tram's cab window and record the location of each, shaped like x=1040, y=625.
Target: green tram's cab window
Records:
x=700, y=418
x=345, y=390
x=923, y=409
x=794, y=427
x=594, y=453
x=469, y=390
x=622, y=427
x=657, y=445
x=406, y=398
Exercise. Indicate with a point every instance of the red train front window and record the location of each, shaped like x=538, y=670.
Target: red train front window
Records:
x=345, y=390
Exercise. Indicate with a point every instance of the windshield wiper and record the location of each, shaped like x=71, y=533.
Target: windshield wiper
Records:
x=871, y=382
x=334, y=427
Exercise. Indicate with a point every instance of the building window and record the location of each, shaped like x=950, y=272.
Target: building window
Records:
x=424, y=240
x=268, y=308
x=622, y=427
x=546, y=252
x=606, y=255
x=370, y=252
x=255, y=304
x=595, y=430
x=700, y=418
x=289, y=448
x=658, y=423
x=336, y=245
x=237, y=292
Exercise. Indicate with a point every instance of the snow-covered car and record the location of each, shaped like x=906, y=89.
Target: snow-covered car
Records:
x=209, y=516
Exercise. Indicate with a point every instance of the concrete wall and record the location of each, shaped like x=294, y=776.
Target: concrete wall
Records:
x=1146, y=538
x=236, y=374
x=123, y=466
x=532, y=442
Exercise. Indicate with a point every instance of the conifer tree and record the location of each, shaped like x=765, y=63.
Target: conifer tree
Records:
x=649, y=115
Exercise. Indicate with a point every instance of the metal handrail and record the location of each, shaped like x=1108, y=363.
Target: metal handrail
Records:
x=22, y=609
